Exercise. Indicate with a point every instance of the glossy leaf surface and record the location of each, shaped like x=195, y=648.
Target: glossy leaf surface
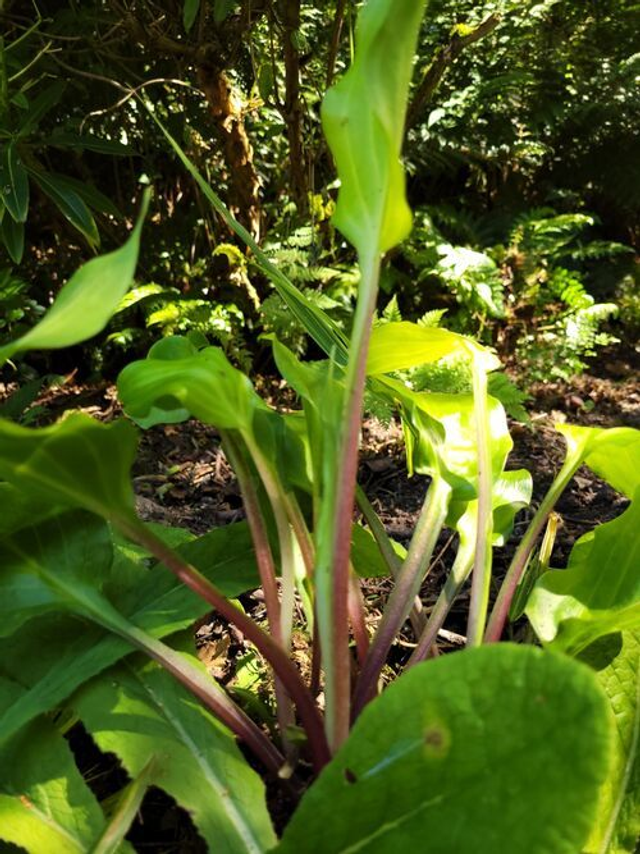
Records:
x=176, y=381
x=403, y=345
x=499, y=748
x=15, y=183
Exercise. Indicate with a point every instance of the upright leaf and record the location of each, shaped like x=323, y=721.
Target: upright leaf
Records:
x=363, y=121
x=500, y=748
x=139, y=712
x=87, y=301
x=616, y=659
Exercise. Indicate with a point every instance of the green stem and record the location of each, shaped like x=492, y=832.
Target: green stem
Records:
x=283, y=667
x=257, y=526
x=125, y=812
x=207, y=691
x=336, y=517
x=459, y=573
x=285, y=538
x=408, y=582
x=393, y=562
x=516, y=568
x=481, y=583
x=267, y=570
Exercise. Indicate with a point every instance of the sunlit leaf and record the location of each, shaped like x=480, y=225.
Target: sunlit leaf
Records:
x=500, y=748
x=598, y=593
x=363, y=121
x=45, y=805
x=86, y=302
x=616, y=660
x=139, y=712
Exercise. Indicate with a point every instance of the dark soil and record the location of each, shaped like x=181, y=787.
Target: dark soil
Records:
x=182, y=478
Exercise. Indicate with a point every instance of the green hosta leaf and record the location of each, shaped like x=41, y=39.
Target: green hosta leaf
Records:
x=613, y=454
x=12, y=234
x=138, y=712
x=45, y=805
x=499, y=748
x=398, y=346
x=55, y=654
x=70, y=204
x=190, y=13
x=77, y=462
x=598, y=593
x=616, y=658
x=176, y=381
x=14, y=184
x=363, y=120
x=86, y=302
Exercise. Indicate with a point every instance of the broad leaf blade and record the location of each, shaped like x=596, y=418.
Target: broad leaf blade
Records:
x=54, y=655
x=616, y=658
x=598, y=593
x=500, y=748
x=363, y=120
x=398, y=346
x=613, y=454
x=139, y=711
x=45, y=805
x=77, y=462
x=177, y=381
x=86, y=302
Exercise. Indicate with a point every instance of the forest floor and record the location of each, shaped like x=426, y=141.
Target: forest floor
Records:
x=182, y=479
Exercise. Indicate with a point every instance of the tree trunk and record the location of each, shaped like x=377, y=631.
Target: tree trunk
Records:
x=244, y=184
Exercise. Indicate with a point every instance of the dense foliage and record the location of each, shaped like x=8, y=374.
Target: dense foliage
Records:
x=519, y=149
x=530, y=746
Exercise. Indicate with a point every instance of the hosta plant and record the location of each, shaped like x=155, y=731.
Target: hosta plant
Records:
x=500, y=747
